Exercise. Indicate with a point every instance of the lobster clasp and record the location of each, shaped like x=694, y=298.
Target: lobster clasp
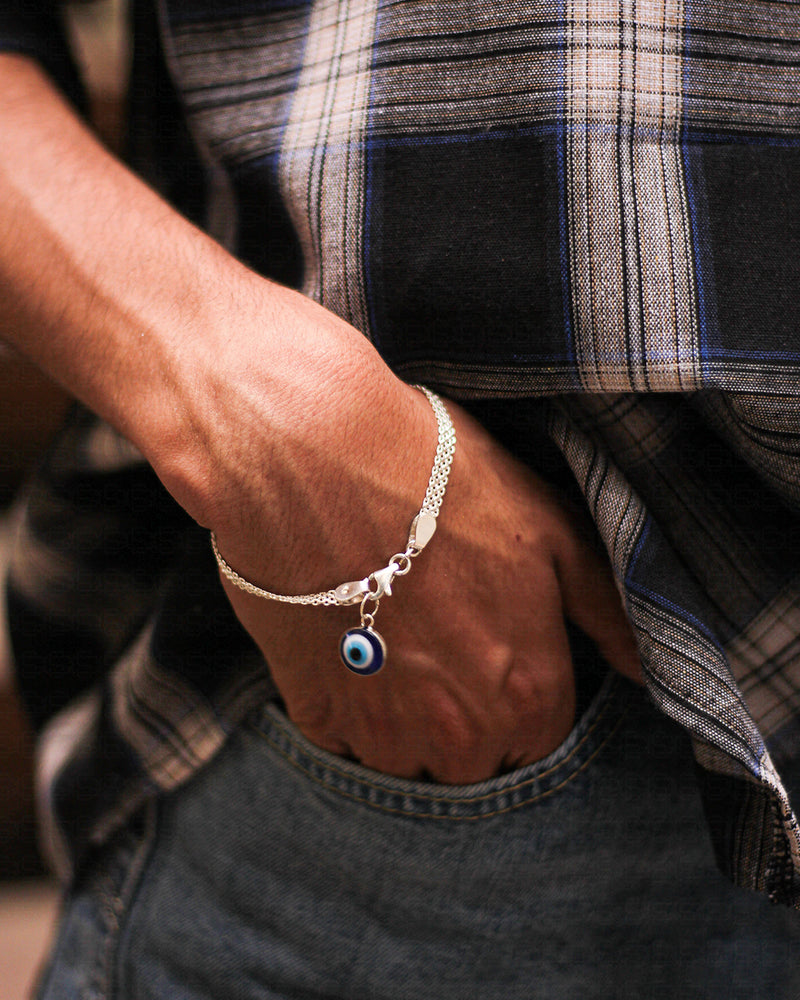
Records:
x=382, y=581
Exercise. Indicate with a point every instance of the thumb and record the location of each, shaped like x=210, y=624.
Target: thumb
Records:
x=592, y=601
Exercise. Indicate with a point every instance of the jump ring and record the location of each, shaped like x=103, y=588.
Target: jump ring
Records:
x=366, y=614
x=402, y=562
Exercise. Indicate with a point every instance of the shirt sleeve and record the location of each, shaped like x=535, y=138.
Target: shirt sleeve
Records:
x=35, y=28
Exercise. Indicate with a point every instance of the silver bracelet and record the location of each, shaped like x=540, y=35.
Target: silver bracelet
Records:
x=363, y=649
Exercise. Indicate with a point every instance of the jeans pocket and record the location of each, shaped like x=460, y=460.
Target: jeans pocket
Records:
x=425, y=800
x=285, y=871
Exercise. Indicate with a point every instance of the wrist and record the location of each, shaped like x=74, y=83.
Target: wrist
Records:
x=337, y=453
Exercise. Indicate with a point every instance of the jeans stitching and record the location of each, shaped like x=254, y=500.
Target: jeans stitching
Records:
x=449, y=799
x=111, y=887
x=124, y=898
x=432, y=796
x=450, y=818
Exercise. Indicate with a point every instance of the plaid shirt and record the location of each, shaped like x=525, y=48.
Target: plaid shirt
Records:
x=583, y=219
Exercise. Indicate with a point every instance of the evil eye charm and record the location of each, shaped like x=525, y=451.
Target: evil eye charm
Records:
x=363, y=651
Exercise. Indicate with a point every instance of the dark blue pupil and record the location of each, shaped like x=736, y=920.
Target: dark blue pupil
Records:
x=356, y=654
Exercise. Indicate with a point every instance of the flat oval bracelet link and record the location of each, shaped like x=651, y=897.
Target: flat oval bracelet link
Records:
x=363, y=649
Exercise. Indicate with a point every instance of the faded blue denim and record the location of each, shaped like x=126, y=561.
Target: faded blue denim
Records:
x=283, y=872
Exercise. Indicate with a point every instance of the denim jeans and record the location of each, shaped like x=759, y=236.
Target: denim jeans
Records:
x=281, y=871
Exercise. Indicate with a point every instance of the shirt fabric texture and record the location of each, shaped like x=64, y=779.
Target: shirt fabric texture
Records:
x=583, y=221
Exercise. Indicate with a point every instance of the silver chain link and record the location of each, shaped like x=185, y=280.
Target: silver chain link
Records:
x=445, y=449
x=370, y=588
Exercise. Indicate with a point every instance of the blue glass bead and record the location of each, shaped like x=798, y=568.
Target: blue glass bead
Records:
x=362, y=650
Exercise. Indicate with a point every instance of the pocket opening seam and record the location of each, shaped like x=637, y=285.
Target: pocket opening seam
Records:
x=413, y=814
x=432, y=796
x=449, y=799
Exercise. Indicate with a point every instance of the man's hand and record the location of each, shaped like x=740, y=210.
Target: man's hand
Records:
x=479, y=676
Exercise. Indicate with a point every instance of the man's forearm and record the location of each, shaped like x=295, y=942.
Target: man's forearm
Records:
x=151, y=323
x=104, y=285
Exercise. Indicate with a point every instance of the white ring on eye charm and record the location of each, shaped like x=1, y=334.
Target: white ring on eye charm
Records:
x=363, y=651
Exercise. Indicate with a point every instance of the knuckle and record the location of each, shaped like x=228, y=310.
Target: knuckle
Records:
x=313, y=716
x=461, y=734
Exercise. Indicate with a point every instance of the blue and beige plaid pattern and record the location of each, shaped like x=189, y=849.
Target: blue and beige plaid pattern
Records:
x=589, y=207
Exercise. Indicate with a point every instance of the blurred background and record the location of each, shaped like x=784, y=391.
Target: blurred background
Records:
x=31, y=410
